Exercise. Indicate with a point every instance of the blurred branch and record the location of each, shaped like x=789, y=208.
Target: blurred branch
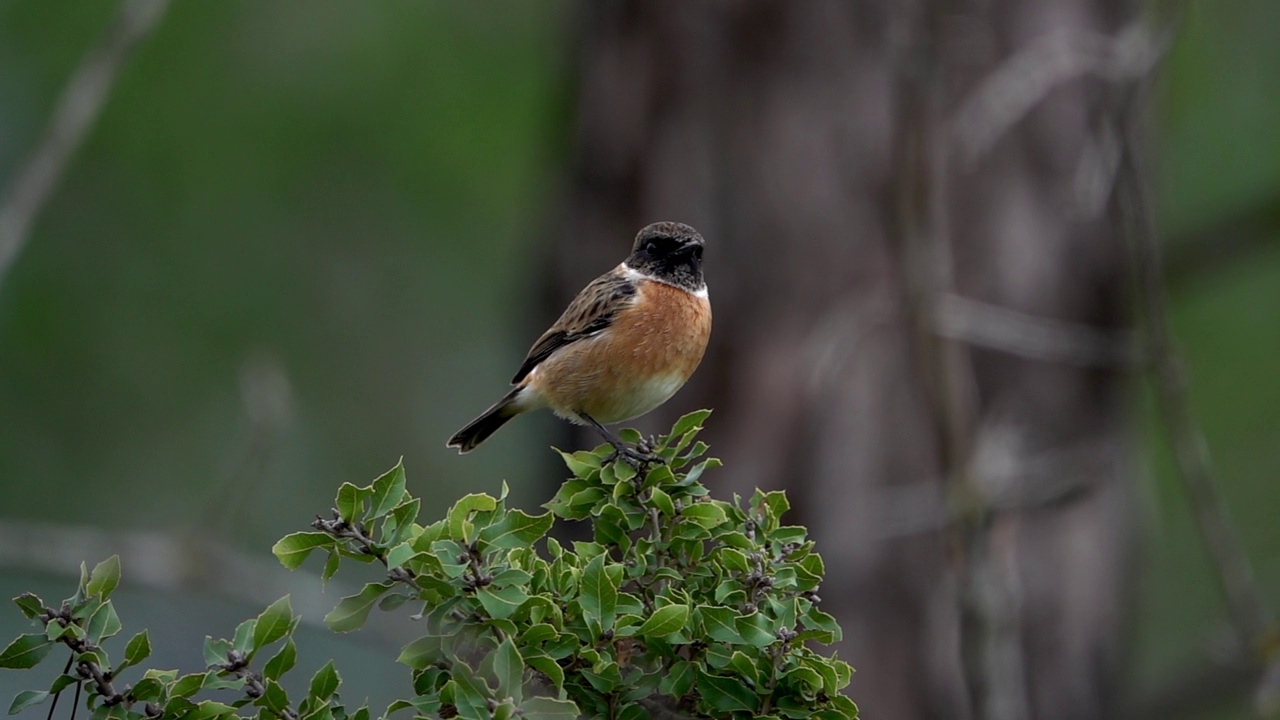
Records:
x=266, y=396
x=1040, y=482
x=1197, y=691
x=1033, y=337
x=1250, y=614
x=1247, y=231
x=79, y=107
x=164, y=563
x=991, y=649
x=1023, y=81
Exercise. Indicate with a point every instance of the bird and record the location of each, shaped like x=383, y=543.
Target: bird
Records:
x=625, y=345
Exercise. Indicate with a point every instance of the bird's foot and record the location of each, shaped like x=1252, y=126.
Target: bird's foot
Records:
x=649, y=446
x=639, y=457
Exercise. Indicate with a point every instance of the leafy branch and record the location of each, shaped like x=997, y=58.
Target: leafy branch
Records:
x=680, y=604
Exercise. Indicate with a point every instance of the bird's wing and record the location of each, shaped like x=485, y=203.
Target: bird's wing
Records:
x=591, y=312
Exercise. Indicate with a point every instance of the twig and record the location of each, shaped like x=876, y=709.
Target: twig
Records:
x=54, y=705
x=85, y=669
x=1249, y=611
x=79, y=107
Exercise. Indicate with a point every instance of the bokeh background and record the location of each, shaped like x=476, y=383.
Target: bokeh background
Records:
x=308, y=238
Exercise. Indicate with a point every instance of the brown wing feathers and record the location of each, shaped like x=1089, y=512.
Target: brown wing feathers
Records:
x=592, y=311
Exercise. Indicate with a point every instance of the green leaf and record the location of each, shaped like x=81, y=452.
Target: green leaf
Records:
x=393, y=601
x=501, y=603
x=659, y=477
x=770, y=505
x=243, y=641
x=604, y=676
x=330, y=566
x=677, y=681
x=809, y=678
x=104, y=578
x=734, y=559
x=30, y=605
x=147, y=690
x=208, y=709
x=399, y=523
x=611, y=528
x=720, y=623
x=537, y=634
x=548, y=667
x=471, y=695
x=689, y=422
x=26, y=699
x=324, y=683
x=216, y=652
x=388, y=490
x=623, y=471
x=746, y=667
x=816, y=619
x=705, y=514
x=350, y=502
x=458, y=517
x=137, y=650
x=84, y=582
x=274, y=699
x=62, y=681
x=599, y=594
x=399, y=555
x=633, y=712
x=293, y=548
x=517, y=529
x=661, y=500
x=273, y=623
x=26, y=651
x=422, y=652
x=188, y=685
x=844, y=672
x=757, y=630
x=562, y=503
x=164, y=676
x=397, y=706
x=353, y=610
x=726, y=694
x=512, y=576
x=509, y=667
x=55, y=630
x=282, y=662
x=104, y=623
x=544, y=708
x=665, y=621
x=581, y=463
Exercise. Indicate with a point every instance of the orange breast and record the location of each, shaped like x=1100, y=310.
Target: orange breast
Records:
x=636, y=364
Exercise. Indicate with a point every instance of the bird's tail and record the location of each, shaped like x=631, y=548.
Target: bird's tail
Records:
x=478, y=430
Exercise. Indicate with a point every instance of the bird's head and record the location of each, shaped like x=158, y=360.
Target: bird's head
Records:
x=670, y=252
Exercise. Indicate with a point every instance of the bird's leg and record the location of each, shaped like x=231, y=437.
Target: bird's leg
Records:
x=636, y=457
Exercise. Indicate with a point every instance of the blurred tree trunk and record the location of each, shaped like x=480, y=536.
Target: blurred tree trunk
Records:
x=916, y=266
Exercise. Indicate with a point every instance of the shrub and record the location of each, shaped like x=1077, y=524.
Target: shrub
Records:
x=680, y=605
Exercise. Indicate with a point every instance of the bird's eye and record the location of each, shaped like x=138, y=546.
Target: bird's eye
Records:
x=651, y=248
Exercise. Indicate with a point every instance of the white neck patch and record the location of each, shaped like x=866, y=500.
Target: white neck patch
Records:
x=631, y=273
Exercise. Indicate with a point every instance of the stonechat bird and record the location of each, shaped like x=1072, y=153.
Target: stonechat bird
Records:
x=624, y=346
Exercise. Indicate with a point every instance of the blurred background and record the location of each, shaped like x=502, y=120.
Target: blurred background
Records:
x=304, y=239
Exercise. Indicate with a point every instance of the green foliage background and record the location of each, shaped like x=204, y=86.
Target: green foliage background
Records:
x=353, y=193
